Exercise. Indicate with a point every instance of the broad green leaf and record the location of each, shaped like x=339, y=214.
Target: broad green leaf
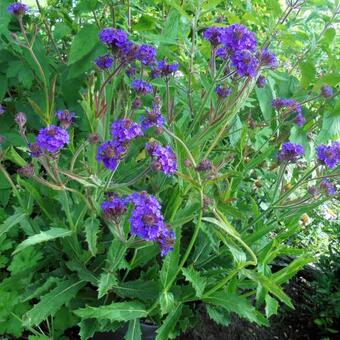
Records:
x=237, y=304
x=265, y=98
x=50, y=303
x=195, y=278
x=271, y=306
x=88, y=328
x=106, y=282
x=169, y=324
x=143, y=290
x=119, y=311
x=219, y=315
x=83, y=43
x=308, y=72
x=43, y=236
x=11, y=222
x=134, y=332
x=91, y=230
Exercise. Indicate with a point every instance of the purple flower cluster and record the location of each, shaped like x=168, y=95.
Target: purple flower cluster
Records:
x=290, y=152
x=261, y=82
x=147, y=221
x=222, y=92
x=114, y=208
x=17, y=8
x=292, y=106
x=164, y=69
x=141, y=87
x=113, y=37
x=153, y=117
x=104, y=61
x=146, y=54
x=65, y=118
x=125, y=130
x=164, y=159
x=52, y=139
x=326, y=91
x=239, y=44
x=35, y=150
x=110, y=153
x=329, y=155
x=328, y=187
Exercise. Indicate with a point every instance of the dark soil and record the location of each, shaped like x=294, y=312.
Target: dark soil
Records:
x=289, y=324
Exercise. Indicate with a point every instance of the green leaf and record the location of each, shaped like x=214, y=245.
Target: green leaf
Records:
x=308, y=72
x=143, y=290
x=270, y=285
x=83, y=43
x=237, y=304
x=169, y=324
x=61, y=30
x=106, y=282
x=91, y=230
x=197, y=281
x=88, y=328
x=271, y=306
x=11, y=222
x=120, y=311
x=219, y=315
x=134, y=332
x=51, y=302
x=265, y=98
x=166, y=301
x=43, y=236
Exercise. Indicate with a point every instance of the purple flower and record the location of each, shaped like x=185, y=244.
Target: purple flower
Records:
x=214, y=35
x=222, y=53
x=141, y=87
x=222, y=92
x=65, y=118
x=204, y=165
x=261, y=81
x=290, y=152
x=116, y=38
x=267, y=58
x=146, y=54
x=164, y=159
x=2, y=110
x=104, y=61
x=329, y=155
x=167, y=241
x=146, y=218
x=245, y=63
x=326, y=91
x=52, y=138
x=110, y=153
x=299, y=119
x=164, y=69
x=290, y=104
x=327, y=186
x=114, y=208
x=128, y=52
x=17, y=8
x=125, y=129
x=237, y=37
x=35, y=150
x=153, y=117
x=27, y=170
x=131, y=71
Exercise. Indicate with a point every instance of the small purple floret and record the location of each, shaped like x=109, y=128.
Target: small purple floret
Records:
x=164, y=69
x=222, y=92
x=164, y=159
x=267, y=59
x=261, y=82
x=116, y=38
x=52, y=138
x=125, y=130
x=17, y=8
x=65, y=118
x=291, y=152
x=237, y=37
x=245, y=63
x=104, y=61
x=142, y=87
x=329, y=155
x=146, y=54
x=153, y=117
x=110, y=153
x=326, y=91
x=214, y=35
x=114, y=208
x=328, y=186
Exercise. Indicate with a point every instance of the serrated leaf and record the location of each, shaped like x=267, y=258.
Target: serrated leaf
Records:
x=143, y=290
x=51, y=302
x=120, y=311
x=88, y=328
x=237, y=304
x=195, y=278
x=106, y=282
x=83, y=43
x=11, y=222
x=169, y=324
x=220, y=316
x=43, y=236
x=271, y=306
x=91, y=230
x=134, y=332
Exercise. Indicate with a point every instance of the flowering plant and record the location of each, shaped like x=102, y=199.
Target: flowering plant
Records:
x=151, y=178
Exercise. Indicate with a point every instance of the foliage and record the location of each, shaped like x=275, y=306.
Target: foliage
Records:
x=228, y=207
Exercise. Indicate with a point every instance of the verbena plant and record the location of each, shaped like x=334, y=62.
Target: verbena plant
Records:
x=145, y=182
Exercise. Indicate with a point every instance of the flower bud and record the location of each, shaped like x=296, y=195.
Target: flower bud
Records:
x=204, y=165
x=27, y=170
x=93, y=138
x=137, y=103
x=326, y=91
x=187, y=163
x=20, y=119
